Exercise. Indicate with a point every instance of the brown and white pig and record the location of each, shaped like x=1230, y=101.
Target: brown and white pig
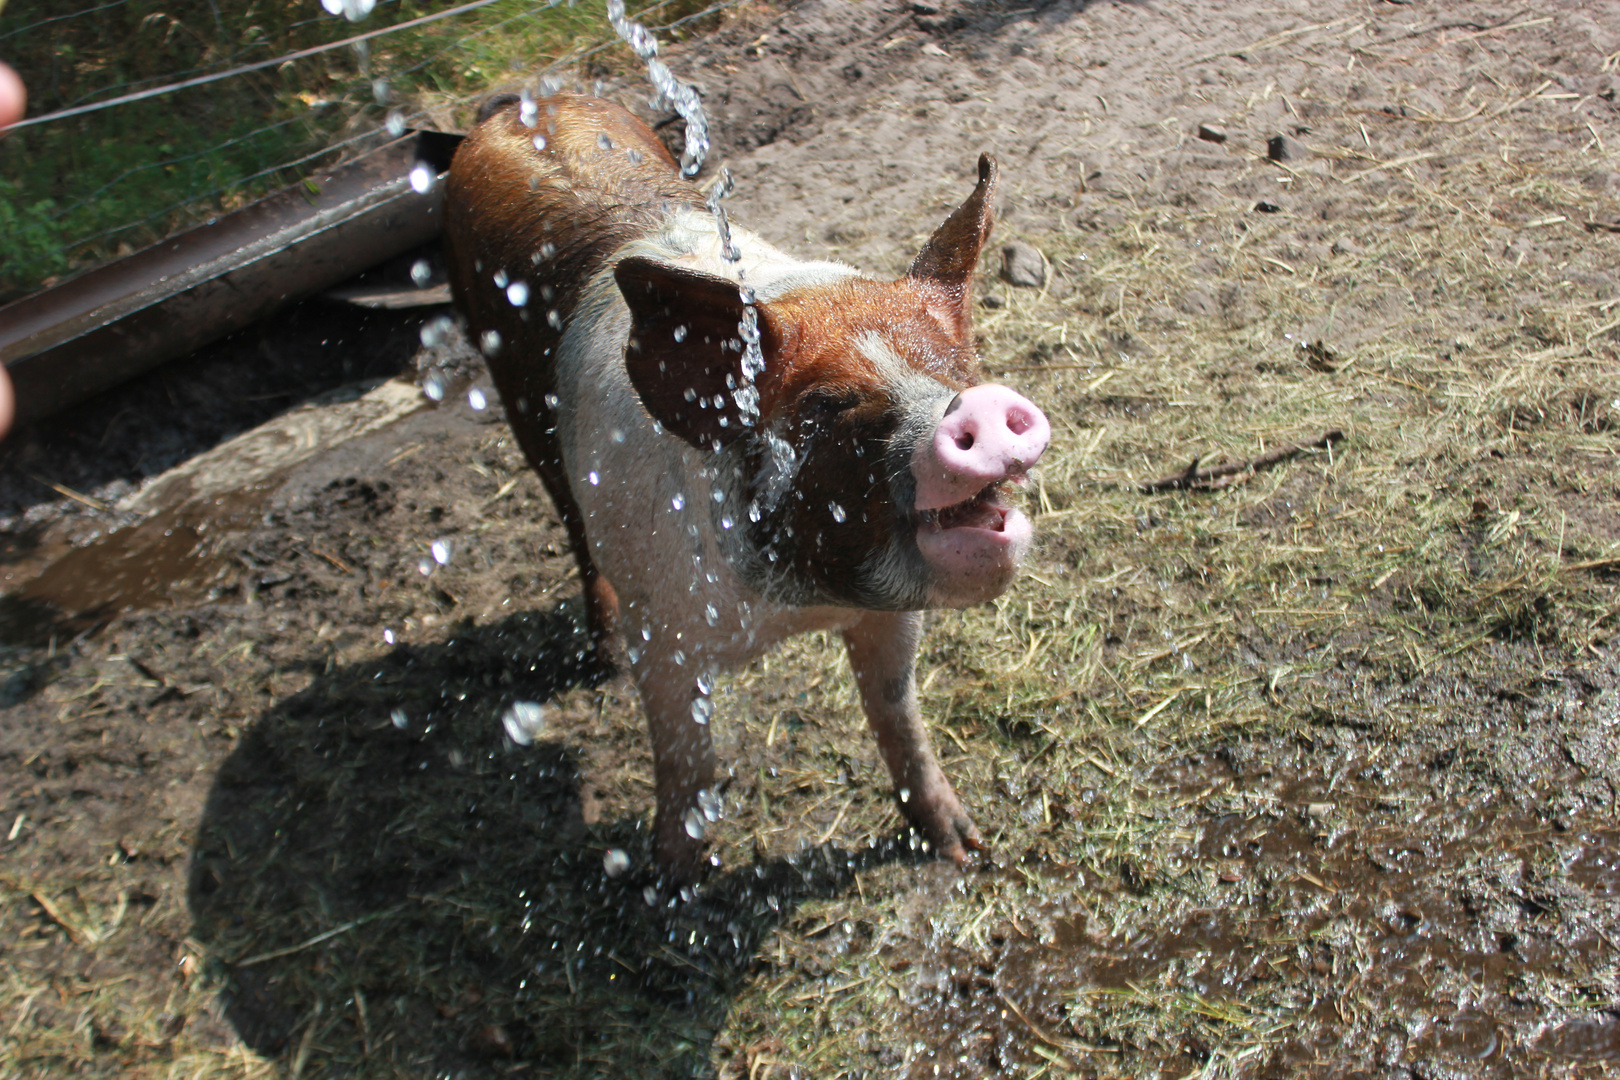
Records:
x=852, y=483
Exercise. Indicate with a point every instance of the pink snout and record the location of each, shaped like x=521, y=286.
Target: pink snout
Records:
x=988, y=433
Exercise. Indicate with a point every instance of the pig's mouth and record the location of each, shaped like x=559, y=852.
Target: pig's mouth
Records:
x=984, y=511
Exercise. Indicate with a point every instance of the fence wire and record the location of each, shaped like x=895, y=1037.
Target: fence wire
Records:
x=106, y=167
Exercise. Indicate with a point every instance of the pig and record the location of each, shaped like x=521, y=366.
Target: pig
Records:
x=849, y=476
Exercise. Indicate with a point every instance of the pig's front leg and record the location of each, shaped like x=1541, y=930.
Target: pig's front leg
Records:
x=683, y=759
x=883, y=652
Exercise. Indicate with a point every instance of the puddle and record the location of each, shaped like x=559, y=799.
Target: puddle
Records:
x=1349, y=916
x=173, y=557
x=1584, y=1042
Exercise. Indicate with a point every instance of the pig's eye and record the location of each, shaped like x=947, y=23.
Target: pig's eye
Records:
x=822, y=405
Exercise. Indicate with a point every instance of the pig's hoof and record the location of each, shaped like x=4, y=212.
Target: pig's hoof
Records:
x=948, y=829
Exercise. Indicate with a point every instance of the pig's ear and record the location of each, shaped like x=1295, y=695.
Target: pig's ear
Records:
x=685, y=352
x=946, y=263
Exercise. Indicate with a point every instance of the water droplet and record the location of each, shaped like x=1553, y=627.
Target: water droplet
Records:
x=433, y=386
x=633, y=653
x=905, y=794
x=490, y=342
x=646, y=633
x=422, y=178
x=395, y=123
x=604, y=142
x=441, y=550
x=837, y=512
x=678, y=501
x=380, y=92
x=702, y=709
x=691, y=395
x=399, y=718
x=695, y=825
x=524, y=721
x=679, y=657
x=425, y=567
x=617, y=435
x=753, y=511
x=477, y=400
x=593, y=478
x=554, y=319
x=528, y=111
x=517, y=293
x=710, y=804
x=634, y=155
x=726, y=523
x=615, y=862
x=388, y=636
x=434, y=330
x=679, y=334
x=705, y=682
x=711, y=614
x=650, y=895
x=501, y=279
x=421, y=273
x=539, y=142
x=552, y=401
x=353, y=10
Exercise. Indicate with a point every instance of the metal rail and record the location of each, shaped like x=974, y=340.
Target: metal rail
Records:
x=69, y=342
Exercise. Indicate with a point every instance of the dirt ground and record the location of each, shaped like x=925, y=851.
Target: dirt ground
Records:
x=1313, y=774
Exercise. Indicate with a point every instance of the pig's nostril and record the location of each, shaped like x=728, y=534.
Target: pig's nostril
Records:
x=1018, y=421
x=964, y=441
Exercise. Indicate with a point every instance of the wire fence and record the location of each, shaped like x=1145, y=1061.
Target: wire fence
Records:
x=145, y=119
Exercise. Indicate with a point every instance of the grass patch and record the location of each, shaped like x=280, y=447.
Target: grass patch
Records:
x=77, y=192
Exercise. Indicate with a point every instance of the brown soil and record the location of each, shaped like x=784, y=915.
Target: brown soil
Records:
x=1313, y=777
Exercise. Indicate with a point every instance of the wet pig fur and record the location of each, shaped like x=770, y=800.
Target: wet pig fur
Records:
x=714, y=508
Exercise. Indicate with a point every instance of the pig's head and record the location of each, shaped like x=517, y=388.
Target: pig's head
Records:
x=872, y=469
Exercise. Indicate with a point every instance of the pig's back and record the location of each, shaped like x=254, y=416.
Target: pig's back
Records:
x=544, y=207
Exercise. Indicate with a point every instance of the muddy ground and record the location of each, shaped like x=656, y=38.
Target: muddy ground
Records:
x=1313, y=774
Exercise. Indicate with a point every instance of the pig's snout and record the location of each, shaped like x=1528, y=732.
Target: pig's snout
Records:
x=988, y=433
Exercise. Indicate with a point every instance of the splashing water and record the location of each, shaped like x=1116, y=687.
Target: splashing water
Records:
x=695, y=825
x=353, y=10
x=434, y=330
x=423, y=178
x=682, y=96
x=524, y=721
x=615, y=862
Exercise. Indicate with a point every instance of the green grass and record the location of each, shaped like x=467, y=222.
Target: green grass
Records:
x=77, y=192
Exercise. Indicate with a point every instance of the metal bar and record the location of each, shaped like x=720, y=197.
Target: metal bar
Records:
x=69, y=342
